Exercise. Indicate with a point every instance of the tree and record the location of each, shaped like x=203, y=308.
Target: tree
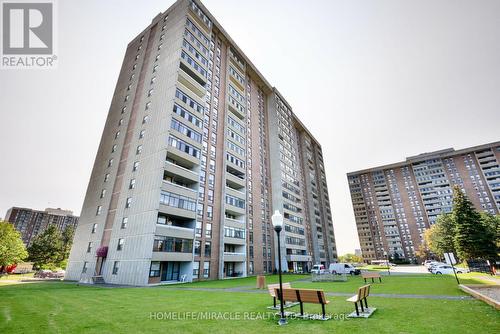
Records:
x=46, y=248
x=67, y=241
x=12, y=249
x=440, y=236
x=473, y=238
x=350, y=258
x=423, y=252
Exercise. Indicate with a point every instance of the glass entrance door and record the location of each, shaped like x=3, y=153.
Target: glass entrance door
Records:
x=170, y=271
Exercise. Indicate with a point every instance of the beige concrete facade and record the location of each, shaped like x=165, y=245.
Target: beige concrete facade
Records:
x=182, y=186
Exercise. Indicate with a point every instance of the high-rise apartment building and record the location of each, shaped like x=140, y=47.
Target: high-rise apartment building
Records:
x=31, y=223
x=197, y=152
x=394, y=204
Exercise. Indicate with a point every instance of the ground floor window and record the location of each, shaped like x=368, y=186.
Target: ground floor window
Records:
x=206, y=269
x=154, y=271
x=196, y=269
x=116, y=266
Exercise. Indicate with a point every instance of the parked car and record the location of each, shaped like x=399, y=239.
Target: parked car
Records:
x=343, y=268
x=447, y=269
x=44, y=273
x=434, y=265
x=318, y=269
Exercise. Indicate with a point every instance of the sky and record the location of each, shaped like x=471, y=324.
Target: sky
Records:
x=374, y=81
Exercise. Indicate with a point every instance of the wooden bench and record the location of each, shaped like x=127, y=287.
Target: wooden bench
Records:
x=363, y=293
x=371, y=275
x=272, y=291
x=302, y=296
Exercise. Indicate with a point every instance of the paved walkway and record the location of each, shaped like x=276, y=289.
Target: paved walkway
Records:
x=333, y=294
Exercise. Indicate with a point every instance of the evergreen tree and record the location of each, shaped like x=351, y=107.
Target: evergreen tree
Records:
x=472, y=238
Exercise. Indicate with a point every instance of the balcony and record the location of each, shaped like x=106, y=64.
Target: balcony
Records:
x=173, y=204
x=182, y=157
x=234, y=222
x=234, y=241
x=175, y=231
x=298, y=258
x=234, y=257
x=188, y=81
x=183, y=173
x=234, y=181
x=178, y=189
x=236, y=108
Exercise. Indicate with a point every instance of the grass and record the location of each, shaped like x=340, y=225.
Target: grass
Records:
x=60, y=307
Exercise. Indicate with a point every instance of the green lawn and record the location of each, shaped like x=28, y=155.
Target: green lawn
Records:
x=59, y=307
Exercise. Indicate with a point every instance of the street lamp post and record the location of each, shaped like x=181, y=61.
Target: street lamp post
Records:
x=277, y=220
x=387, y=261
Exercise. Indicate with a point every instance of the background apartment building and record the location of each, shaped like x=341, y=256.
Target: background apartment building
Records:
x=197, y=151
x=31, y=223
x=394, y=204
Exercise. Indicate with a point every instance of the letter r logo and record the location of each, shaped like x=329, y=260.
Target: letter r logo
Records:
x=27, y=28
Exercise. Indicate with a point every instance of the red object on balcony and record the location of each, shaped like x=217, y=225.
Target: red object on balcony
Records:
x=102, y=251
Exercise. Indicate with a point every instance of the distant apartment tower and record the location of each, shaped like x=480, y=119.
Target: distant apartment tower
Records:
x=31, y=223
x=197, y=151
x=394, y=204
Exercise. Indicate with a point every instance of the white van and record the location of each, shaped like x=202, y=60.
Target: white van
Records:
x=343, y=268
x=318, y=269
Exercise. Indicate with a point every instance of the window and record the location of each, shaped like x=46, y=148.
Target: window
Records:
x=116, y=265
x=197, y=247
x=138, y=150
x=106, y=177
x=128, y=204
x=117, y=134
x=141, y=134
x=94, y=228
x=176, y=125
x=150, y=92
x=188, y=101
x=131, y=184
x=98, y=211
x=208, y=248
x=136, y=166
x=206, y=269
x=120, y=122
x=124, y=223
x=110, y=162
x=103, y=193
x=113, y=149
x=187, y=115
x=154, y=271
x=172, y=244
x=210, y=212
x=182, y=146
x=198, y=229
x=177, y=201
x=89, y=247
x=124, y=109
x=208, y=230
x=196, y=269
x=120, y=244
x=234, y=201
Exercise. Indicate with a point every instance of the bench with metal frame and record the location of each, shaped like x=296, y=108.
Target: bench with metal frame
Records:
x=271, y=288
x=360, y=297
x=302, y=296
x=371, y=275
